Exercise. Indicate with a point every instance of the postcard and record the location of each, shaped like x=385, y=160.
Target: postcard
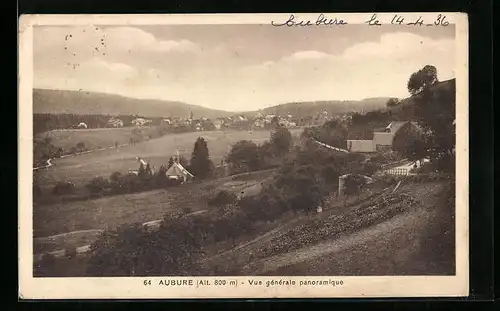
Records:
x=243, y=156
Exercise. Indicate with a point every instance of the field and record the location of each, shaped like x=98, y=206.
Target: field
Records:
x=94, y=138
x=113, y=211
x=82, y=168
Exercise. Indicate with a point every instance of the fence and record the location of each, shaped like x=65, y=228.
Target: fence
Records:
x=398, y=171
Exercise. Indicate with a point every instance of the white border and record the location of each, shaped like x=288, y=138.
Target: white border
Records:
x=119, y=288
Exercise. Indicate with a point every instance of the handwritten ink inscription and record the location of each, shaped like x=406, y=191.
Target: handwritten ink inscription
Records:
x=322, y=20
x=400, y=20
x=397, y=19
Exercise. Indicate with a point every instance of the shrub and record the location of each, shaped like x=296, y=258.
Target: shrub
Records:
x=223, y=197
x=98, y=185
x=63, y=187
x=115, y=177
x=70, y=251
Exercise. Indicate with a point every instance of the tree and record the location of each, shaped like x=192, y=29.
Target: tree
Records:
x=435, y=111
x=392, y=102
x=244, y=156
x=171, y=161
x=161, y=177
x=422, y=79
x=200, y=165
x=410, y=143
x=281, y=140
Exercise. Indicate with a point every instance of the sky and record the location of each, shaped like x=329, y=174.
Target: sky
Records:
x=240, y=67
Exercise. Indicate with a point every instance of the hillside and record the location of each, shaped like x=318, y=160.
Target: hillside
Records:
x=333, y=107
x=404, y=110
x=85, y=103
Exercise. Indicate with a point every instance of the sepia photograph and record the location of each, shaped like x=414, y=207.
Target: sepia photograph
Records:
x=297, y=145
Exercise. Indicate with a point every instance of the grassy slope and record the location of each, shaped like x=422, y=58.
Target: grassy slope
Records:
x=81, y=169
x=422, y=243
x=109, y=212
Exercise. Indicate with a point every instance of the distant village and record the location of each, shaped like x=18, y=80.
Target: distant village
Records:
x=239, y=122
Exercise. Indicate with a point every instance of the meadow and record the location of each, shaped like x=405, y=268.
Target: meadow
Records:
x=94, y=138
x=82, y=168
x=113, y=211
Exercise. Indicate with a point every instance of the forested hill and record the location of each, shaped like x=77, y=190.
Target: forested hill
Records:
x=91, y=103
x=333, y=107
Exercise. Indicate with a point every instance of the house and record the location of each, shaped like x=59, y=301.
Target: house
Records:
x=379, y=140
x=394, y=126
x=167, y=121
x=115, y=122
x=269, y=118
x=144, y=164
x=140, y=121
x=178, y=172
x=362, y=146
x=82, y=125
x=259, y=123
x=218, y=123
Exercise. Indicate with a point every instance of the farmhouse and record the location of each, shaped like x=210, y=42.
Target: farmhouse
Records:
x=380, y=140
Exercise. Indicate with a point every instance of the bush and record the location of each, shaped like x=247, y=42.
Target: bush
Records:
x=98, y=185
x=63, y=187
x=70, y=252
x=115, y=177
x=223, y=197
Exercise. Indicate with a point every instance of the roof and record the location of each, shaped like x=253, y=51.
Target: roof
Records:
x=394, y=126
x=178, y=170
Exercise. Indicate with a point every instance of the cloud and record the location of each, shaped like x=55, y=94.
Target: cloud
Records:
x=92, y=39
x=134, y=62
x=375, y=68
x=305, y=55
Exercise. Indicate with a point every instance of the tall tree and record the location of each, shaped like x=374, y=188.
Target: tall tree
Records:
x=435, y=110
x=281, y=140
x=422, y=79
x=201, y=166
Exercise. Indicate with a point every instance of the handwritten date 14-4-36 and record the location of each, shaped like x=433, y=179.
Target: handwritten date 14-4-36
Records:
x=440, y=20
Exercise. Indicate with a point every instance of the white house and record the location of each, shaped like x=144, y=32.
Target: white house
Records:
x=178, y=172
x=82, y=125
